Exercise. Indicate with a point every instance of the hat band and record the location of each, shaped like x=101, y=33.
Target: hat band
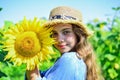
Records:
x=64, y=17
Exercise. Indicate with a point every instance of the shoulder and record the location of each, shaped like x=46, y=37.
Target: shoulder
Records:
x=68, y=65
x=75, y=65
x=71, y=59
x=68, y=57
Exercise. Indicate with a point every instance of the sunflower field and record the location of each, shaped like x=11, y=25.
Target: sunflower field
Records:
x=105, y=41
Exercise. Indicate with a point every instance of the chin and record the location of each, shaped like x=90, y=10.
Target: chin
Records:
x=64, y=51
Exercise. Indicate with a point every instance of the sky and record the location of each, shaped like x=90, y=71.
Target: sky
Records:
x=16, y=10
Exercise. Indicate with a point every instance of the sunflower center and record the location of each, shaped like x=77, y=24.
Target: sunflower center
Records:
x=27, y=44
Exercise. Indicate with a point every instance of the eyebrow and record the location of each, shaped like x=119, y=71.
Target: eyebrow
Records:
x=66, y=29
x=63, y=29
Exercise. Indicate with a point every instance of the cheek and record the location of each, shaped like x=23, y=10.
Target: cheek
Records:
x=71, y=39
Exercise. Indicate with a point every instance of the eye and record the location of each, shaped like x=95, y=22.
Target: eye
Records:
x=54, y=34
x=66, y=32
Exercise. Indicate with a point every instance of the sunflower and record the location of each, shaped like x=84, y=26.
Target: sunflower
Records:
x=28, y=42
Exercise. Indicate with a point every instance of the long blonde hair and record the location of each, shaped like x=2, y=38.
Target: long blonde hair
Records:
x=85, y=51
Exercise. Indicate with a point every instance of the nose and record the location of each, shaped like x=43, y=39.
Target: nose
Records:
x=60, y=38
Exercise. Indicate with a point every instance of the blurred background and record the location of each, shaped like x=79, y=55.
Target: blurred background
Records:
x=15, y=10
x=102, y=17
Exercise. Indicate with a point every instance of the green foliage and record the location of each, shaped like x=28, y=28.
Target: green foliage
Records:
x=107, y=47
x=2, y=74
x=12, y=72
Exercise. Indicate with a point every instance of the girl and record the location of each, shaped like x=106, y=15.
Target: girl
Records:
x=77, y=61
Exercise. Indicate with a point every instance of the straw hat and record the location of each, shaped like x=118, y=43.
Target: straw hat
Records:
x=64, y=14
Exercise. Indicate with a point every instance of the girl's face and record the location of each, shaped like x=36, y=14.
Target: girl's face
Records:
x=65, y=37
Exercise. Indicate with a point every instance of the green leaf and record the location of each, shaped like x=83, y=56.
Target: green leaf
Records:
x=2, y=74
x=110, y=57
x=112, y=73
x=106, y=65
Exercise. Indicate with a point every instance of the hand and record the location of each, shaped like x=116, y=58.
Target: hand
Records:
x=33, y=74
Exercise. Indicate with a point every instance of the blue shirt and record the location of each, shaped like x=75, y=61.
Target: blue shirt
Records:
x=67, y=67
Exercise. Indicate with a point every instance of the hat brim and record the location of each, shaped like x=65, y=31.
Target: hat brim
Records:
x=78, y=23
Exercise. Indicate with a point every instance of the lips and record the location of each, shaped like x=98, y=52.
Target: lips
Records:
x=61, y=46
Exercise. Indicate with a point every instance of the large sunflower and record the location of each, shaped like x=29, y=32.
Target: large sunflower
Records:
x=28, y=42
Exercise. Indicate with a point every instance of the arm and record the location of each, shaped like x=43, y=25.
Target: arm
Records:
x=32, y=74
